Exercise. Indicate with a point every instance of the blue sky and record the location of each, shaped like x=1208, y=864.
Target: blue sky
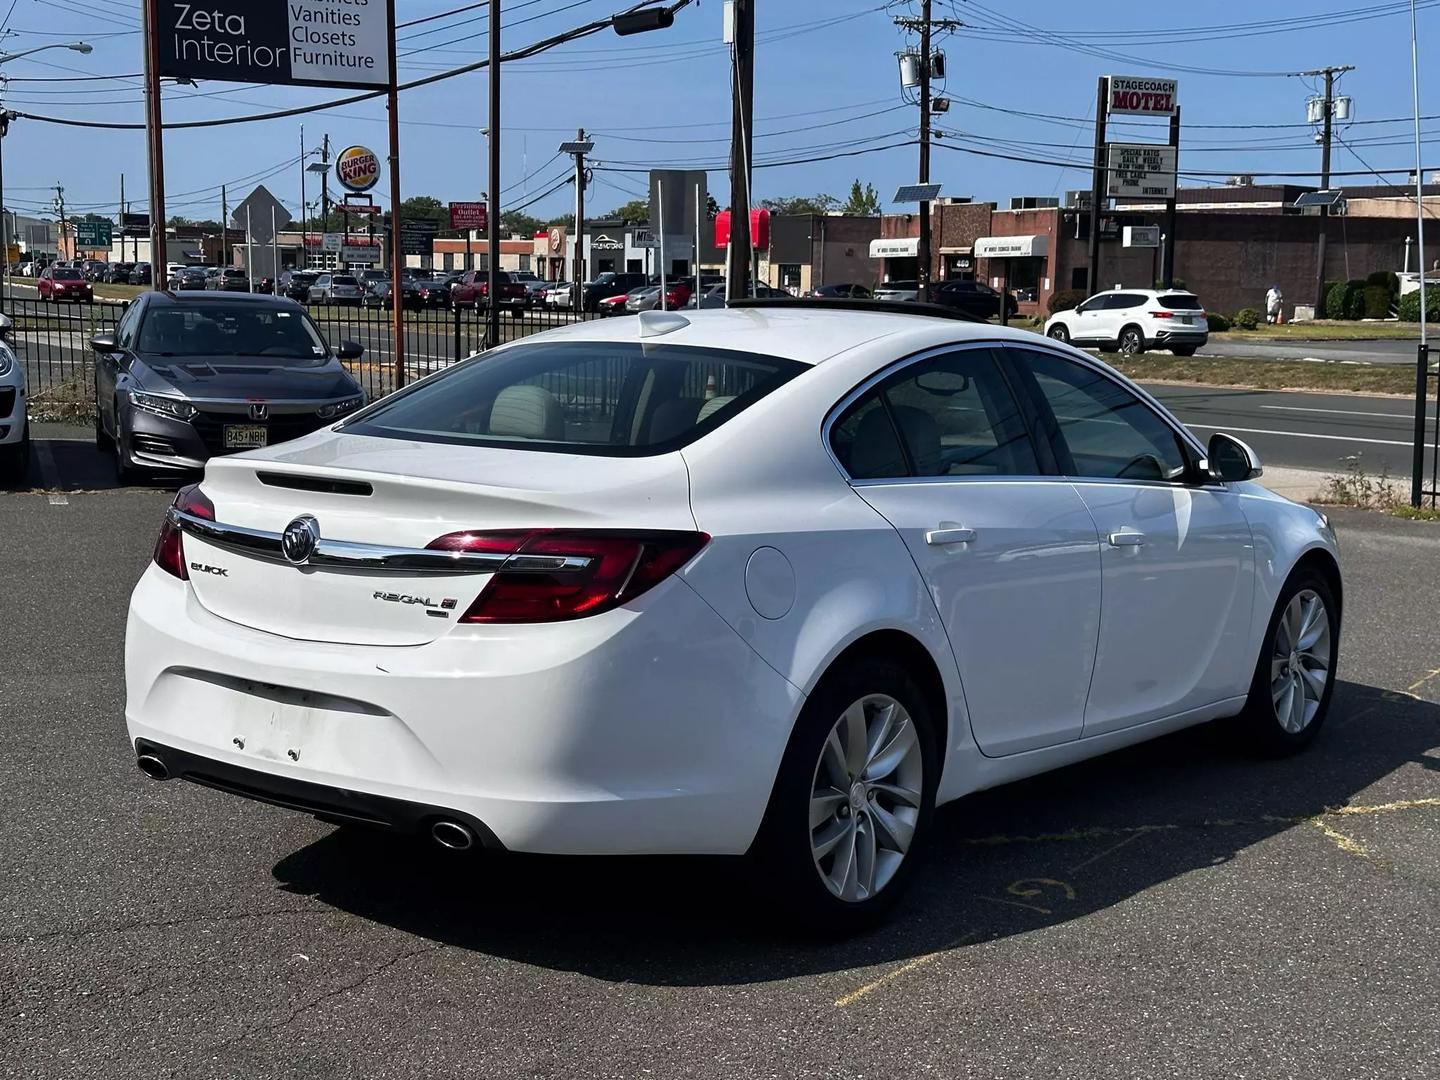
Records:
x=825, y=84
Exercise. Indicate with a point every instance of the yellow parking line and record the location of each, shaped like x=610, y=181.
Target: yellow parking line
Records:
x=1389, y=807
x=904, y=969
x=1347, y=844
x=1414, y=686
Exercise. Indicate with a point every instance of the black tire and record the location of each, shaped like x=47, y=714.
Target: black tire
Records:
x=1258, y=725
x=1131, y=342
x=125, y=473
x=1183, y=350
x=1058, y=332
x=15, y=458
x=790, y=873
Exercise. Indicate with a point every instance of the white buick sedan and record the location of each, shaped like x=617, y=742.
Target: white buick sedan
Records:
x=776, y=579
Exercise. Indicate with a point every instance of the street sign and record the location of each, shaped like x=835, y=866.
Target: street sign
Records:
x=135, y=224
x=12, y=253
x=417, y=236
x=94, y=234
x=916, y=193
x=643, y=238
x=1141, y=236
x=299, y=42
x=1140, y=171
x=332, y=241
x=255, y=213
x=348, y=207
x=467, y=215
x=1132, y=95
x=353, y=253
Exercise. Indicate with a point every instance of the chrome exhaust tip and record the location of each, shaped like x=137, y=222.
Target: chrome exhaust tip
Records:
x=452, y=835
x=153, y=767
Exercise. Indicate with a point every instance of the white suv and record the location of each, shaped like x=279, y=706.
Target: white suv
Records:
x=1133, y=320
x=14, y=428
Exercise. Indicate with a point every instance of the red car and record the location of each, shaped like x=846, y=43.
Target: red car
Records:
x=64, y=283
x=612, y=305
x=473, y=291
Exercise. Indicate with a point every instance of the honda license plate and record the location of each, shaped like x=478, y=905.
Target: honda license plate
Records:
x=245, y=436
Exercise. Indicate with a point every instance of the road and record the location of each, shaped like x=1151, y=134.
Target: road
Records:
x=1172, y=910
x=1303, y=430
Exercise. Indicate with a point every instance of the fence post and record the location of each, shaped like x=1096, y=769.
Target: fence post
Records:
x=457, y=332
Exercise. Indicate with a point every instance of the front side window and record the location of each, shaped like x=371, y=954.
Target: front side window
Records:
x=618, y=399
x=1101, y=429
x=950, y=415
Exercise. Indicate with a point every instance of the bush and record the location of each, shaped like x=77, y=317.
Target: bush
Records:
x=1346, y=300
x=1386, y=279
x=1247, y=319
x=1410, y=306
x=1065, y=300
x=1218, y=323
x=1376, y=302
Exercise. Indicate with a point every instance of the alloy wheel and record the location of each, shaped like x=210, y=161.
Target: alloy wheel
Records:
x=1300, y=661
x=865, y=798
x=1059, y=333
x=1130, y=342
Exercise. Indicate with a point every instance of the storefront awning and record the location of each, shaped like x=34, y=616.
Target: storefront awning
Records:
x=904, y=247
x=1012, y=247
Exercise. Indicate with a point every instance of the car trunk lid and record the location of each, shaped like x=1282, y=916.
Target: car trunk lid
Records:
x=393, y=493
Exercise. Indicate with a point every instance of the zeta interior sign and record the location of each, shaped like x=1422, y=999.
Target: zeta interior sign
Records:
x=303, y=42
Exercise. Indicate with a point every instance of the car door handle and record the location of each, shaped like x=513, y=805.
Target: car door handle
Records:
x=940, y=537
x=1128, y=539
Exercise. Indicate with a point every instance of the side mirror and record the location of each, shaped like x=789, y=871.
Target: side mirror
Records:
x=105, y=343
x=350, y=350
x=1231, y=459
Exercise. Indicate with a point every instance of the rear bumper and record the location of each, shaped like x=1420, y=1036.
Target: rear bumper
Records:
x=336, y=804
x=650, y=729
x=1196, y=337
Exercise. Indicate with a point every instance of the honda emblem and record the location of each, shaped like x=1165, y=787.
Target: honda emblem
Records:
x=259, y=410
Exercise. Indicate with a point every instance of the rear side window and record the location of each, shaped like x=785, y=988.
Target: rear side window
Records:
x=1179, y=302
x=950, y=415
x=617, y=399
x=1121, y=301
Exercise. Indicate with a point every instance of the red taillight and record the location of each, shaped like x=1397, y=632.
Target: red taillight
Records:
x=620, y=567
x=169, y=551
x=1163, y=314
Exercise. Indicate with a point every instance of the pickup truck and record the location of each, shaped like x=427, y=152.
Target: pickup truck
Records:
x=473, y=291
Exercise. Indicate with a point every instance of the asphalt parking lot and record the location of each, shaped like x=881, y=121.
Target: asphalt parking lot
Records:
x=1175, y=909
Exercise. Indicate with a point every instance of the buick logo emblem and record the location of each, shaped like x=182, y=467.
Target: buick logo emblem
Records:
x=259, y=410
x=299, y=540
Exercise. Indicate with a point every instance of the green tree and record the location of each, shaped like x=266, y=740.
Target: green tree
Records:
x=864, y=202
x=519, y=223
x=634, y=210
x=423, y=207
x=801, y=204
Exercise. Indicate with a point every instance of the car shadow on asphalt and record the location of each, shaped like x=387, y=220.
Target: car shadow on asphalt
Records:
x=76, y=464
x=1007, y=861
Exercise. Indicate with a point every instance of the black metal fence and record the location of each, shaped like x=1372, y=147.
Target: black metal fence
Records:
x=52, y=342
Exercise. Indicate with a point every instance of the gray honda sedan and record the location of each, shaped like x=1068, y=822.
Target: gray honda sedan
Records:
x=187, y=376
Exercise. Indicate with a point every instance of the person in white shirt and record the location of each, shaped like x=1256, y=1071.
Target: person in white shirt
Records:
x=1274, y=301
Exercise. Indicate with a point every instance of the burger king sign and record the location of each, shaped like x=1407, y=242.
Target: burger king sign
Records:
x=357, y=168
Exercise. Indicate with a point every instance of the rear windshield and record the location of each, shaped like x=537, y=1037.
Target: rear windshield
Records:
x=342, y=279
x=234, y=273
x=66, y=274
x=1180, y=302
x=617, y=399
x=232, y=330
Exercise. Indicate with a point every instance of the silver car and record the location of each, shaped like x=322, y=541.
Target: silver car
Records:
x=337, y=289
x=558, y=295
x=646, y=299
x=897, y=290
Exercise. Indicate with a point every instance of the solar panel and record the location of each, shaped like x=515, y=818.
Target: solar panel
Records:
x=1331, y=198
x=916, y=193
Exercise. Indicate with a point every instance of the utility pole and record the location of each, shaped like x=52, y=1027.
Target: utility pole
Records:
x=1097, y=181
x=926, y=25
x=580, y=147
x=122, y=217
x=59, y=205
x=1327, y=126
x=304, y=227
x=5, y=217
x=492, y=219
x=325, y=193
x=742, y=113
x=224, y=228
